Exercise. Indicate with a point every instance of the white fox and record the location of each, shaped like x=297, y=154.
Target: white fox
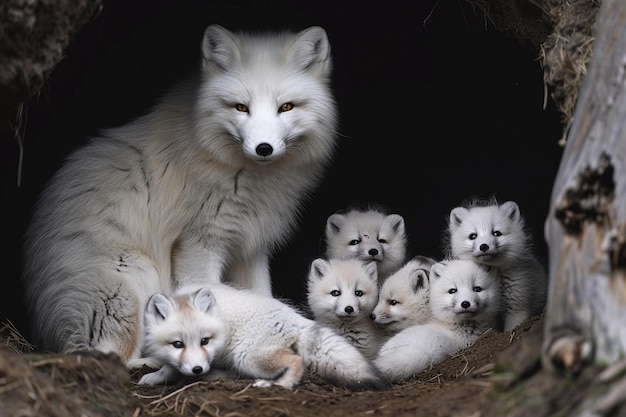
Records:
x=465, y=300
x=369, y=235
x=341, y=294
x=208, y=184
x=182, y=336
x=272, y=342
x=494, y=235
x=403, y=299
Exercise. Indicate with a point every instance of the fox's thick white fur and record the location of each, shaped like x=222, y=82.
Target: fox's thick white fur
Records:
x=341, y=294
x=367, y=234
x=209, y=183
x=274, y=343
x=182, y=336
x=494, y=234
x=465, y=300
x=403, y=299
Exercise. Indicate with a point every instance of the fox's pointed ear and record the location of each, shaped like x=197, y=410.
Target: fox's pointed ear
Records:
x=319, y=268
x=436, y=270
x=311, y=50
x=510, y=210
x=396, y=222
x=334, y=223
x=419, y=279
x=219, y=47
x=457, y=215
x=159, y=307
x=204, y=300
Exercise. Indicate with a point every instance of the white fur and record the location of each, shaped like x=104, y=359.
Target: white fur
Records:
x=493, y=234
x=368, y=235
x=183, y=335
x=274, y=343
x=465, y=301
x=208, y=184
x=341, y=294
x=403, y=300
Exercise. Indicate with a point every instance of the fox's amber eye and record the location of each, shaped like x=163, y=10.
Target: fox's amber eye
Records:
x=335, y=293
x=241, y=107
x=354, y=242
x=204, y=341
x=497, y=233
x=452, y=291
x=285, y=107
x=473, y=236
x=478, y=289
x=358, y=293
x=178, y=344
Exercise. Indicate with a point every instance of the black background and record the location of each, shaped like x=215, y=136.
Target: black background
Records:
x=436, y=105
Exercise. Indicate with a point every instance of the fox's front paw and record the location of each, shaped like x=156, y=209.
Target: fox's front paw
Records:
x=262, y=383
x=161, y=376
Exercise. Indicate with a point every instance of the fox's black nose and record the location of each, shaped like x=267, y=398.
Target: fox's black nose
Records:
x=465, y=304
x=197, y=370
x=372, y=316
x=264, y=149
x=349, y=309
x=484, y=247
x=373, y=252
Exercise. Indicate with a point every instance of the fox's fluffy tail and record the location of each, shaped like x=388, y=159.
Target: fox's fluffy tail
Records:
x=332, y=357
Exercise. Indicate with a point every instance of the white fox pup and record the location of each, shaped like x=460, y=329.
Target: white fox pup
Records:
x=275, y=344
x=209, y=184
x=465, y=300
x=403, y=299
x=341, y=294
x=369, y=235
x=183, y=335
x=494, y=235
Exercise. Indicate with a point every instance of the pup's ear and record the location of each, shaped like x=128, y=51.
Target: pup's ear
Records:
x=204, y=300
x=159, y=307
x=319, y=268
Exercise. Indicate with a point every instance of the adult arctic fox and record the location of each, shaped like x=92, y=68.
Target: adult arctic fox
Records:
x=341, y=294
x=403, y=299
x=367, y=234
x=494, y=234
x=266, y=339
x=209, y=184
x=465, y=300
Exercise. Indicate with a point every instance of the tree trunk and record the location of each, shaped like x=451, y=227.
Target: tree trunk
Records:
x=586, y=228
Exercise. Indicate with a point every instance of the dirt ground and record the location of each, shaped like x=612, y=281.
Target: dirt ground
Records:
x=499, y=376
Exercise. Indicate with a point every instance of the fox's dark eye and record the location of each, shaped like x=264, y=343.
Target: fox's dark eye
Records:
x=178, y=344
x=241, y=107
x=451, y=290
x=204, y=341
x=478, y=289
x=496, y=233
x=335, y=293
x=472, y=236
x=382, y=240
x=285, y=107
x=354, y=242
x=358, y=293
x=394, y=302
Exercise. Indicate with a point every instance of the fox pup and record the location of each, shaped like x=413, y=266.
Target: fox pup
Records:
x=341, y=294
x=494, y=234
x=465, y=301
x=369, y=235
x=403, y=299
